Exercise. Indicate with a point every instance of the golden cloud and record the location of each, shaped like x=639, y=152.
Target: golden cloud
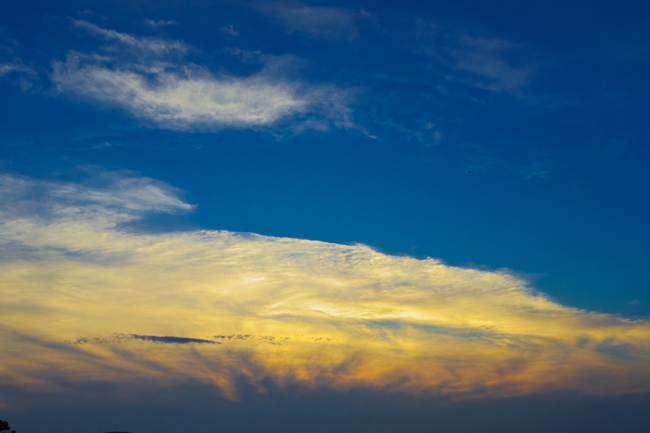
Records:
x=84, y=298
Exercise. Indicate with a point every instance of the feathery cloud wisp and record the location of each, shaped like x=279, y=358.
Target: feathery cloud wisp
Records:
x=12, y=63
x=486, y=59
x=316, y=21
x=151, y=79
x=490, y=63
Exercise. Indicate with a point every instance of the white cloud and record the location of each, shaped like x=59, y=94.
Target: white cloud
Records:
x=6, y=68
x=314, y=313
x=149, y=78
x=109, y=198
x=143, y=45
x=317, y=21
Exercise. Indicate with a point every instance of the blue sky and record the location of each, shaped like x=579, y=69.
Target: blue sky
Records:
x=508, y=138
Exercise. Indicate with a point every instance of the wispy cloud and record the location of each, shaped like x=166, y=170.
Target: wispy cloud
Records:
x=487, y=60
x=490, y=63
x=12, y=64
x=152, y=79
x=108, y=198
x=152, y=46
x=291, y=310
x=159, y=23
x=316, y=21
x=229, y=30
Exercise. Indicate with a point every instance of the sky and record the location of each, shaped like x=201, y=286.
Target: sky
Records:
x=324, y=216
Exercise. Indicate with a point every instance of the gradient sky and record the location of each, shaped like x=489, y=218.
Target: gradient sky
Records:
x=316, y=216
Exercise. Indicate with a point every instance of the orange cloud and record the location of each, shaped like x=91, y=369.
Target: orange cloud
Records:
x=85, y=299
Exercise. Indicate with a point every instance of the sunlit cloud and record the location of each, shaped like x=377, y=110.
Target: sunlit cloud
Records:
x=152, y=79
x=229, y=30
x=85, y=296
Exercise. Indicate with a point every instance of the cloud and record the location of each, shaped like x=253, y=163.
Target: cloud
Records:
x=160, y=23
x=229, y=30
x=144, y=46
x=121, y=194
x=105, y=200
x=316, y=21
x=12, y=64
x=172, y=340
x=291, y=311
x=490, y=63
x=8, y=67
x=151, y=79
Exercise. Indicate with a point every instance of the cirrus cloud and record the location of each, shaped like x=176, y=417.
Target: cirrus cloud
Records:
x=151, y=79
x=316, y=21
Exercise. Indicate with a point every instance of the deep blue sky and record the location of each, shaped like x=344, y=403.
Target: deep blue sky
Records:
x=558, y=182
x=491, y=135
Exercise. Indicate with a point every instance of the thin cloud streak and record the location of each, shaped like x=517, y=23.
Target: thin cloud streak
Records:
x=290, y=310
x=12, y=64
x=172, y=340
x=315, y=21
x=486, y=59
x=15, y=66
x=490, y=63
x=159, y=23
x=151, y=79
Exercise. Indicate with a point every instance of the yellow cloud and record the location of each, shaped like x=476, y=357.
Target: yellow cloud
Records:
x=85, y=299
